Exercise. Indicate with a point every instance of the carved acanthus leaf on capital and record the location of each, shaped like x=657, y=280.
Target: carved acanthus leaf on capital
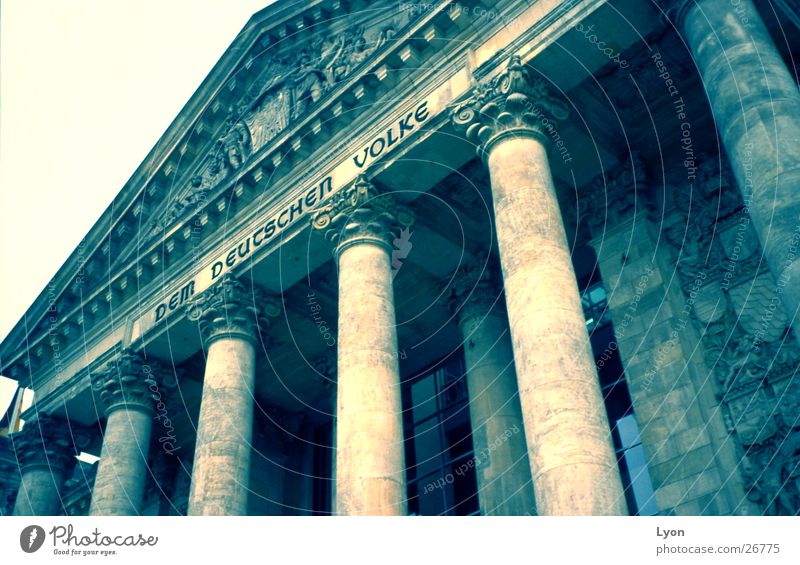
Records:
x=361, y=212
x=232, y=309
x=45, y=442
x=514, y=100
x=130, y=381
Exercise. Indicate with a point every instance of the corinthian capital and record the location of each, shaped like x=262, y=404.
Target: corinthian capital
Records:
x=129, y=381
x=45, y=442
x=232, y=309
x=361, y=213
x=512, y=103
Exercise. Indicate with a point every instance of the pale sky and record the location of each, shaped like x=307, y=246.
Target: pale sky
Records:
x=86, y=89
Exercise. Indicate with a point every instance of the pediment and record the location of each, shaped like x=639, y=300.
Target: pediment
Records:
x=278, y=84
x=288, y=89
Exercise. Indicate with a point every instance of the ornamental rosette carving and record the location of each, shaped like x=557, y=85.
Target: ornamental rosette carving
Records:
x=361, y=212
x=130, y=382
x=514, y=100
x=232, y=309
x=476, y=289
x=45, y=442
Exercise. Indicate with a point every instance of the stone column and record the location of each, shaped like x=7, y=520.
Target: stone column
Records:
x=127, y=389
x=370, y=468
x=46, y=457
x=505, y=487
x=756, y=106
x=229, y=316
x=572, y=460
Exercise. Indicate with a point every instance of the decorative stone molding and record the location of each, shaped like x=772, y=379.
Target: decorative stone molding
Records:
x=292, y=84
x=361, y=50
x=710, y=198
x=512, y=103
x=746, y=344
x=130, y=382
x=45, y=442
x=361, y=213
x=288, y=87
x=476, y=289
x=771, y=473
x=759, y=397
x=232, y=309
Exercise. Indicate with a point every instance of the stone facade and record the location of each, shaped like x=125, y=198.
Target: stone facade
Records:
x=415, y=260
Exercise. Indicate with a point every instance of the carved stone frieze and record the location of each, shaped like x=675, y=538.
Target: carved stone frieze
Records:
x=755, y=383
x=746, y=343
x=711, y=198
x=772, y=474
x=287, y=88
x=291, y=84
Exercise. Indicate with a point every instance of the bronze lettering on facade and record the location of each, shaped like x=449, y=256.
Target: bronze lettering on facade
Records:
x=397, y=132
x=294, y=210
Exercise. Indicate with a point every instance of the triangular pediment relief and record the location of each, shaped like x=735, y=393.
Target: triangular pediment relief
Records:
x=283, y=86
x=283, y=90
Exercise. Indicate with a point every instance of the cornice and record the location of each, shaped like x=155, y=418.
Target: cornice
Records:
x=375, y=80
x=258, y=168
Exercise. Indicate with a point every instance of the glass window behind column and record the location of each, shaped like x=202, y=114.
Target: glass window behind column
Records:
x=624, y=428
x=438, y=440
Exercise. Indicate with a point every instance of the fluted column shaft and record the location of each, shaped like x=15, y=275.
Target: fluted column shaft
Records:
x=370, y=462
x=756, y=106
x=229, y=316
x=46, y=456
x=503, y=471
x=569, y=442
x=127, y=388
